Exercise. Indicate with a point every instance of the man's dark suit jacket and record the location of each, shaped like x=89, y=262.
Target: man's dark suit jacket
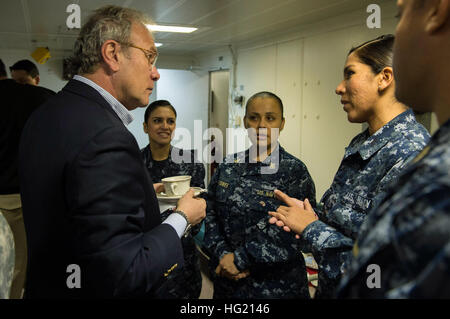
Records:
x=88, y=200
x=18, y=101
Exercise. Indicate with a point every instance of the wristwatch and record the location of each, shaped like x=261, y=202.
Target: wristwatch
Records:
x=187, y=230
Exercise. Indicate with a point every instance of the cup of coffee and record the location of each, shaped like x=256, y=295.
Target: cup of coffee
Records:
x=177, y=185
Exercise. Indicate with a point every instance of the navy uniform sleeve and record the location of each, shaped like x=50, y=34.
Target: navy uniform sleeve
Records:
x=331, y=250
x=417, y=268
x=105, y=188
x=432, y=256
x=433, y=281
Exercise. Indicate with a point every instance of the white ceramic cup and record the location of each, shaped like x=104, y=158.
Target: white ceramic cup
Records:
x=177, y=185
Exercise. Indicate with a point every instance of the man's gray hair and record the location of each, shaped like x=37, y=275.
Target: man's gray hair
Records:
x=106, y=23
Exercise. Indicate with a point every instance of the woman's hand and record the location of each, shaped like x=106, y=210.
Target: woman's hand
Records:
x=228, y=269
x=296, y=216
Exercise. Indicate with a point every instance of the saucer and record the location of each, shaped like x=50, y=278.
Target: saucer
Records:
x=163, y=196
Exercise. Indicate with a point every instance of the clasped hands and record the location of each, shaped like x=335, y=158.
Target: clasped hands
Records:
x=228, y=269
x=296, y=216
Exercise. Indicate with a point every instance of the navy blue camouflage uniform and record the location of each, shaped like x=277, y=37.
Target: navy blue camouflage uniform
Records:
x=408, y=235
x=239, y=196
x=186, y=282
x=369, y=166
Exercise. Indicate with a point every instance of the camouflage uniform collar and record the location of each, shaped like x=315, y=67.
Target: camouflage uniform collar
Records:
x=147, y=154
x=168, y=158
x=442, y=135
x=369, y=145
x=270, y=164
x=274, y=155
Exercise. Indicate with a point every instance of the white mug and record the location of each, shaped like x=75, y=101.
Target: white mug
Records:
x=177, y=185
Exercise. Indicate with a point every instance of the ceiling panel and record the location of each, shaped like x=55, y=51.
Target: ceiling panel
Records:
x=277, y=27
x=195, y=11
x=30, y=23
x=152, y=8
x=293, y=11
x=237, y=11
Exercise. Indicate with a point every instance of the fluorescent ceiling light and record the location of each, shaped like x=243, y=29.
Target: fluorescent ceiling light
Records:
x=158, y=44
x=170, y=28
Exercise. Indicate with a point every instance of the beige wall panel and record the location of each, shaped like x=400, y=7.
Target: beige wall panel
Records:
x=256, y=70
x=288, y=88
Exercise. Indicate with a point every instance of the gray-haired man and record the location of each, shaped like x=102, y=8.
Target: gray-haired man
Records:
x=91, y=214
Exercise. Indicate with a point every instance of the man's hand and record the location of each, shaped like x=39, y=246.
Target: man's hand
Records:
x=159, y=187
x=194, y=208
x=293, y=217
x=228, y=269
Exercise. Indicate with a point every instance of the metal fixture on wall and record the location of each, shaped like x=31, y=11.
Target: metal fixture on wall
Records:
x=236, y=97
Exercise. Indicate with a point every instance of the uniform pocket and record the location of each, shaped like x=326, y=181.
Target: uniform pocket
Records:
x=260, y=202
x=223, y=191
x=220, y=199
x=356, y=201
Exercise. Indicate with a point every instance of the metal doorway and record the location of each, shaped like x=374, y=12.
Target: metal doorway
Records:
x=219, y=88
